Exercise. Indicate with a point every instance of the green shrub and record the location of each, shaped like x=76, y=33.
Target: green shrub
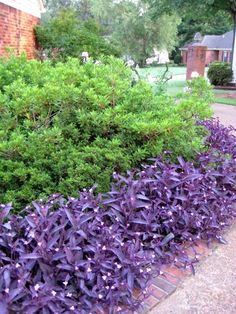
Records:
x=68, y=126
x=178, y=58
x=220, y=73
x=65, y=36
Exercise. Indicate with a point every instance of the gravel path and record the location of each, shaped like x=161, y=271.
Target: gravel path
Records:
x=213, y=289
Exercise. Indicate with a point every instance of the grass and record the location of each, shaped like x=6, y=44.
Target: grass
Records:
x=224, y=91
x=226, y=101
x=175, y=86
x=219, y=94
x=178, y=82
x=158, y=71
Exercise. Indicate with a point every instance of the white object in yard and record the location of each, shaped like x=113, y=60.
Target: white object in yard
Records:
x=194, y=74
x=162, y=56
x=187, y=89
x=234, y=58
x=149, y=60
x=85, y=54
x=130, y=63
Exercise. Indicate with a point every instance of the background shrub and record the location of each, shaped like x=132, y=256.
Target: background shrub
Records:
x=66, y=36
x=65, y=127
x=220, y=73
x=88, y=254
x=178, y=58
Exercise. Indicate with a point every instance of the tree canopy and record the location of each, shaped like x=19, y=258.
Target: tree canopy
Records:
x=217, y=24
x=208, y=6
x=128, y=24
x=138, y=34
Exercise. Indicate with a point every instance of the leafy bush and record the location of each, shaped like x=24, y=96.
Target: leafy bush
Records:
x=65, y=127
x=220, y=73
x=89, y=254
x=199, y=92
x=65, y=36
x=178, y=59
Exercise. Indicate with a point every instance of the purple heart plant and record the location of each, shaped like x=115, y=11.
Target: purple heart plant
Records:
x=87, y=255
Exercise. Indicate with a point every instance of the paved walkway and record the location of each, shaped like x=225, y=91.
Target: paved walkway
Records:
x=213, y=289
x=226, y=113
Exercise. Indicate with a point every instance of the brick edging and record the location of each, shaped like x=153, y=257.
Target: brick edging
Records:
x=171, y=277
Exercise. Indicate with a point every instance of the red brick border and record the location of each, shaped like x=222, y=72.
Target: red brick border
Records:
x=164, y=285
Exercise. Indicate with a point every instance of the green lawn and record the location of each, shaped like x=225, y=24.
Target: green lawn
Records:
x=158, y=71
x=224, y=91
x=219, y=94
x=175, y=85
x=226, y=101
x=178, y=82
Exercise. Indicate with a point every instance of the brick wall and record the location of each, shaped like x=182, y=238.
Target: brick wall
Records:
x=16, y=31
x=211, y=56
x=196, y=61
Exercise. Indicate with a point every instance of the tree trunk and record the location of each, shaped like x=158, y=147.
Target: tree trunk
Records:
x=234, y=49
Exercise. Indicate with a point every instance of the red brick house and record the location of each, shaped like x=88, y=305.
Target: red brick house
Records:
x=17, y=21
x=219, y=47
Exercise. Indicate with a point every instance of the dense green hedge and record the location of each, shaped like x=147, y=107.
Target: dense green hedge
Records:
x=65, y=127
x=220, y=73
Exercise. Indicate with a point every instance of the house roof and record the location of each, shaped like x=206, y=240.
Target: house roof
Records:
x=214, y=42
x=33, y=7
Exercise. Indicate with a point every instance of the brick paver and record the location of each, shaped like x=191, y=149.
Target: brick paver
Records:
x=213, y=289
x=164, y=285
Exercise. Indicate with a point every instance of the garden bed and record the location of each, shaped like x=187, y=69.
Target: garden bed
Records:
x=65, y=127
x=89, y=254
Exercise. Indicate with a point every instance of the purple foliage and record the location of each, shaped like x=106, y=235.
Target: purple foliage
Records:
x=88, y=254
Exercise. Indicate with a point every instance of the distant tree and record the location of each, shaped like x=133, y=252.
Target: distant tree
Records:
x=98, y=10
x=72, y=36
x=126, y=23
x=191, y=24
x=138, y=34
x=216, y=24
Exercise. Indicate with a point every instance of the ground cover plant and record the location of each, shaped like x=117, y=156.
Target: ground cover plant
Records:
x=66, y=126
x=82, y=255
